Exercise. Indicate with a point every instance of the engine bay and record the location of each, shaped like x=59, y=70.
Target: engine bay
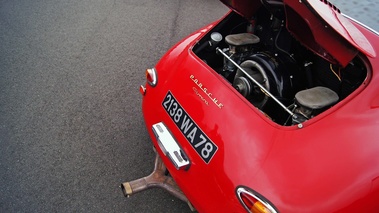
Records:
x=278, y=75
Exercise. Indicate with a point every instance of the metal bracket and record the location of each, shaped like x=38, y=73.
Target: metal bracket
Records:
x=170, y=147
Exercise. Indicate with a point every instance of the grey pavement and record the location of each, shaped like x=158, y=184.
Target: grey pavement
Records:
x=71, y=127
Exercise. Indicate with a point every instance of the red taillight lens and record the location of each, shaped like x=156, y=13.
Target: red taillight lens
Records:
x=142, y=90
x=253, y=202
x=151, y=77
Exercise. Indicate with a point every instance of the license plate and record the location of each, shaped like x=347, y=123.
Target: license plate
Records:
x=191, y=131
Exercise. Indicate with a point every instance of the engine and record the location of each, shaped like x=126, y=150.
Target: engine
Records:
x=269, y=70
x=273, y=71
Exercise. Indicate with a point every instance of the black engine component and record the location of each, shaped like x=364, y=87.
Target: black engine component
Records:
x=293, y=81
x=269, y=71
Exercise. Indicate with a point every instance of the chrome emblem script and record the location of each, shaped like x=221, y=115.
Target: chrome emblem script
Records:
x=207, y=93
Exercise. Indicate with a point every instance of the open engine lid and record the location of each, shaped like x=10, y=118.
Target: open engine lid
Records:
x=317, y=24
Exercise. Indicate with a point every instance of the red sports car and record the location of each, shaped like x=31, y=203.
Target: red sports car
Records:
x=273, y=108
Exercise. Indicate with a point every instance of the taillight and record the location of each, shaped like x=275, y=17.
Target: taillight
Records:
x=151, y=77
x=254, y=202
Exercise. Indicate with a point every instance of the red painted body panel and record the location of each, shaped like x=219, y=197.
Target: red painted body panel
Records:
x=329, y=165
x=342, y=26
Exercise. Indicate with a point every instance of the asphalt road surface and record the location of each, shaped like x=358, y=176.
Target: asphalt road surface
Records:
x=71, y=128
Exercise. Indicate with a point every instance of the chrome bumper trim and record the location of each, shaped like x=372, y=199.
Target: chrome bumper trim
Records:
x=170, y=147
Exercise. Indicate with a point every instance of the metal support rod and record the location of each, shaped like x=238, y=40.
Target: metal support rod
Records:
x=255, y=82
